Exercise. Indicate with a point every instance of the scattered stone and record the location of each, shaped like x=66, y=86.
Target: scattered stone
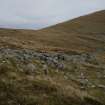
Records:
x=45, y=69
x=60, y=66
x=56, y=61
x=3, y=61
x=83, y=88
x=82, y=76
x=101, y=86
x=93, y=86
x=30, y=68
x=65, y=77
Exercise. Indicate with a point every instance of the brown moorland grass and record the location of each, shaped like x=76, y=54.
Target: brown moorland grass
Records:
x=86, y=33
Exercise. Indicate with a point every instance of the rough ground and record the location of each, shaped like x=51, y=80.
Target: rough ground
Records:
x=29, y=77
x=60, y=65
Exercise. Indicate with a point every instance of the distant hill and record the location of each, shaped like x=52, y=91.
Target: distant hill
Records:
x=86, y=33
x=84, y=24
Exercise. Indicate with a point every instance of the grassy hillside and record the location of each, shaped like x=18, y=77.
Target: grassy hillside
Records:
x=86, y=32
x=28, y=77
x=60, y=65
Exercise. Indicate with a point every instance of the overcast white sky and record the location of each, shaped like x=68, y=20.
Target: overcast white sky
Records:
x=35, y=14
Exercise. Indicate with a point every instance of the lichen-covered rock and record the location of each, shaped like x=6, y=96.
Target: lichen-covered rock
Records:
x=30, y=68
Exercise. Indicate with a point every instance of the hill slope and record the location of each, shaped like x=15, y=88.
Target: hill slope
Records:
x=87, y=32
x=60, y=65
